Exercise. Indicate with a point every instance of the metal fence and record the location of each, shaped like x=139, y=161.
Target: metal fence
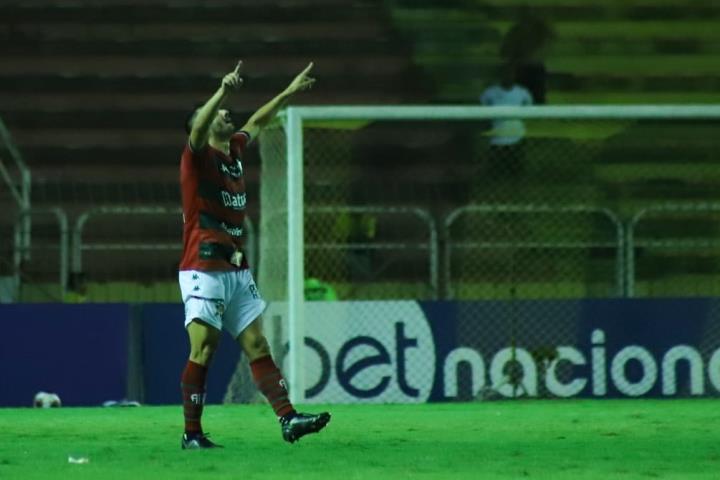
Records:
x=111, y=253
x=492, y=251
x=16, y=181
x=47, y=258
x=504, y=244
x=673, y=249
x=371, y=246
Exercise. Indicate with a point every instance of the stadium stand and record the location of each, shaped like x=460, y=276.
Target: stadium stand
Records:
x=636, y=51
x=615, y=52
x=111, y=82
x=95, y=92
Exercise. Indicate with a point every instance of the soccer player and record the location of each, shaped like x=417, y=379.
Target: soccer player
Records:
x=217, y=287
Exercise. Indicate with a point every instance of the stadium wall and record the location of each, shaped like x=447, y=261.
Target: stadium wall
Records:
x=385, y=351
x=79, y=352
x=91, y=353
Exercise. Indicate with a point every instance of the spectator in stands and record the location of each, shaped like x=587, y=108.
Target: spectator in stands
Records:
x=525, y=46
x=217, y=287
x=507, y=146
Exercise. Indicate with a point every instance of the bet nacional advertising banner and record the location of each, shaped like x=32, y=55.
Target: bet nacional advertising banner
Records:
x=412, y=352
x=380, y=351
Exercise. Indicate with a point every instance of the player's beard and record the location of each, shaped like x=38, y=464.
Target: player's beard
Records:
x=224, y=131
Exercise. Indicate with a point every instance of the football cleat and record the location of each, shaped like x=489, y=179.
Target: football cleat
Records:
x=197, y=441
x=300, y=424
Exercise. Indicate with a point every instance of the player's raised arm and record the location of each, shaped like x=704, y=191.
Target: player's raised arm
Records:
x=204, y=116
x=267, y=112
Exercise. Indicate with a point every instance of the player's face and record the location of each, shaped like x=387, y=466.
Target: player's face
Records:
x=223, y=125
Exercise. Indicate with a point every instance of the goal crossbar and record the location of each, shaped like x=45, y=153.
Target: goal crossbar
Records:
x=459, y=112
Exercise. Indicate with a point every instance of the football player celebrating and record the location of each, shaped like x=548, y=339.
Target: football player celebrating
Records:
x=216, y=284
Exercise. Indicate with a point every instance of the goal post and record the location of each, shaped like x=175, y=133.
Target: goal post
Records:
x=296, y=257
x=315, y=157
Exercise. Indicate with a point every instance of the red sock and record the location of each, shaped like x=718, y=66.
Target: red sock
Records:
x=193, y=392
x=270, y=382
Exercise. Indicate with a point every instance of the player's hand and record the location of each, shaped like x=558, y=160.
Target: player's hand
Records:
x=233, y=80
x=302, y=82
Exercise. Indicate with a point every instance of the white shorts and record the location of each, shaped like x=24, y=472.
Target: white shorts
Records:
x=228, y=300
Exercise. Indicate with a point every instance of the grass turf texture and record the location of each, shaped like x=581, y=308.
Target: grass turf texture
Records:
x=619, y=439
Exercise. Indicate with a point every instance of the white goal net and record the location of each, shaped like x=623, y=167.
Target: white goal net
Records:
x=501, y=220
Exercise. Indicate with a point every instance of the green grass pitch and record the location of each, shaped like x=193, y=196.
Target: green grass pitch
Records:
x=538, y=439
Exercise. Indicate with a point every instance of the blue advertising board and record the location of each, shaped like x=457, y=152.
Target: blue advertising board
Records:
x=382, y=352
x=77, y=351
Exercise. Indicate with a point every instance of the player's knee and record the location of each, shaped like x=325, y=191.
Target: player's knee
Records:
x=202, y=354
x=256, y=347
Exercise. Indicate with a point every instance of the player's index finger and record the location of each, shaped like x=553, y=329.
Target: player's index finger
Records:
x=307, y=69
x=238, y=66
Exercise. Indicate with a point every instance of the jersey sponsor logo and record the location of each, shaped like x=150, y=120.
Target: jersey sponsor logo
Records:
x=207, y=221
x=233, y=231
x=236, y=201
x=210, y=191
x=234, y=170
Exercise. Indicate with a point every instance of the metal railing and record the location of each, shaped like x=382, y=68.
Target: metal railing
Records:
x=19, y=189
x=431, y=245
x=71, y=244
x=516, y=244
x=632, y=242
x=79, y=246
x=22, y=247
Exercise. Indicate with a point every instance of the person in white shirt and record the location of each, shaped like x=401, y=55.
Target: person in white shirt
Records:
x=506, y=140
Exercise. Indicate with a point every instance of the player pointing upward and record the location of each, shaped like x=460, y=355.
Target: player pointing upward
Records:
x=217, y=287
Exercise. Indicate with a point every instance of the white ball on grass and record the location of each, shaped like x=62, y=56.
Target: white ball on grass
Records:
x=46, y=400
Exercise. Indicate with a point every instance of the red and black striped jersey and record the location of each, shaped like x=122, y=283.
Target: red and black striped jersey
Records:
x=213, y=202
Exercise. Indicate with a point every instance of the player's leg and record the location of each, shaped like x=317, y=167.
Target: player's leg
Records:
x=272, y=385
x=266, y=375
x=243, y=320
x=204, y=305
x=204, y=340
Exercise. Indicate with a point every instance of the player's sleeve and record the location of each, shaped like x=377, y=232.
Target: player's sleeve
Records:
x=239, y=141
x=194, y=151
